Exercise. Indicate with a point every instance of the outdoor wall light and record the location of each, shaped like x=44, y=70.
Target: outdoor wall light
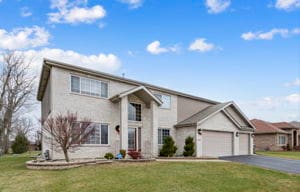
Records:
x=237, y=134
x=118, y=128
x=252, y=135
x=200, y=131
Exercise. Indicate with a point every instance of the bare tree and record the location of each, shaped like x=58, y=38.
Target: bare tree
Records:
x=67, y=132
x=22, y=125
x=16, y=88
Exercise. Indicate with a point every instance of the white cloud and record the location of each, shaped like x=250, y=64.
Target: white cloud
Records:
x=287, y=4
x=101, y=61
x=155, y=48
x=133, y=4
x=25, y=12
x=201, y=45
x=21, y=38
x=75, y=12
x=285, y=108
x=294, y=83
x=217, y=6
x=270, y=34
x=293, y=98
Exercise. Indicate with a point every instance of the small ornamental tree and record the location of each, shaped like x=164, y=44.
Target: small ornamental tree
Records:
x=20, y=145
x=189, y=147
x=169, y=148
x=67, y=132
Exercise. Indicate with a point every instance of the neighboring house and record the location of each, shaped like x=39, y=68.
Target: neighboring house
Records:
x=274, y=136
x=294, y=136
x=144, y=113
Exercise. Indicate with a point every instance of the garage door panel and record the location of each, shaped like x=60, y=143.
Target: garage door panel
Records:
x=244, y=144
x=216, y=144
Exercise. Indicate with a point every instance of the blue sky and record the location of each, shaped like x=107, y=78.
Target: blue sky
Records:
x=246, y=51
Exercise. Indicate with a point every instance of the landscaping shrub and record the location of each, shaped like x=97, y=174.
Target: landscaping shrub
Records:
x=189, y=147
x=135, y=154
x=123, y=153
x=20, y=145
x=108, y=156
x=169, y=148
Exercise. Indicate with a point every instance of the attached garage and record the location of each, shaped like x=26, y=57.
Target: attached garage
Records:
x=244, y=144
x=221, y=130
x=217, y=144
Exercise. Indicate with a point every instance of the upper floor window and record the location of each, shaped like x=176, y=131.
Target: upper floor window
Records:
x=166, y=99
x=89, y=86
x=100, y=134
x=134, y=112
x=282, y=139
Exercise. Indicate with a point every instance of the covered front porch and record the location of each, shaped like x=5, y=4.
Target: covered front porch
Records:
x=138, y=121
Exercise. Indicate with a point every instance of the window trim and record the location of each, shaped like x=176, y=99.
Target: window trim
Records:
x=141, y=111
x=161, y=135
x=99, y=145
x=281, y=144
x=167, y=108
x=82, y=94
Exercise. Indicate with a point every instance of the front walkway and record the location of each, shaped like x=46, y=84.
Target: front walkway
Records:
x=280, y=164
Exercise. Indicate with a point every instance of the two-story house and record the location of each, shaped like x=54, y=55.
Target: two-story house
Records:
x=133, y=115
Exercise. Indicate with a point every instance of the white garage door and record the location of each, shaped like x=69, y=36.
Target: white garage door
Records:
x=244, y=144
x=216, y=144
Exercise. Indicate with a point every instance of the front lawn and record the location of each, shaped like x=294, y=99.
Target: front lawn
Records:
x=156, y=176
x=281, y=154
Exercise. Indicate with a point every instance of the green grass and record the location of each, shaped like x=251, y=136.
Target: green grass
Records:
x=155, y=176
x=281, y=154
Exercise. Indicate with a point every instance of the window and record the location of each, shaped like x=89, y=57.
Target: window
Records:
x=104, y=134
x=166, y=99
x=162, y=134
x=89, y=86
x=134, y=112
x=75, y=84
x=100, y=135
x=282, y=139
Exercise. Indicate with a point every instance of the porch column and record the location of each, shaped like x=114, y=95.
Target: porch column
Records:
x=154, y=125
x=124, y=123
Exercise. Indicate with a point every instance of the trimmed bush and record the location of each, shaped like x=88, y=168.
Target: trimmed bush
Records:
x=123, y=153
x=108, y=156
x=169, y=148
x=189, y=147
x=135, y=154
x=21, y=144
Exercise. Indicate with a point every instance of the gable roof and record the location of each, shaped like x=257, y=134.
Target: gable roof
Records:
x=263, y=127
x=210, y=111
x=47, y=64
x=139, y=90
x=296, y=124
x=283, y=125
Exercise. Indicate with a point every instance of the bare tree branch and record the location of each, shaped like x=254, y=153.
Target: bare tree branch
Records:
x=67, y=132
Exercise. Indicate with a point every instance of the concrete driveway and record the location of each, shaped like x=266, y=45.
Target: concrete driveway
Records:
x=280, y=164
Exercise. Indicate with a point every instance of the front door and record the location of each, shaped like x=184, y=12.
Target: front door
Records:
x=132, y=139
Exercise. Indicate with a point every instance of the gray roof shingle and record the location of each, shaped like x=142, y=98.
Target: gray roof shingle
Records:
x=202, y=114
